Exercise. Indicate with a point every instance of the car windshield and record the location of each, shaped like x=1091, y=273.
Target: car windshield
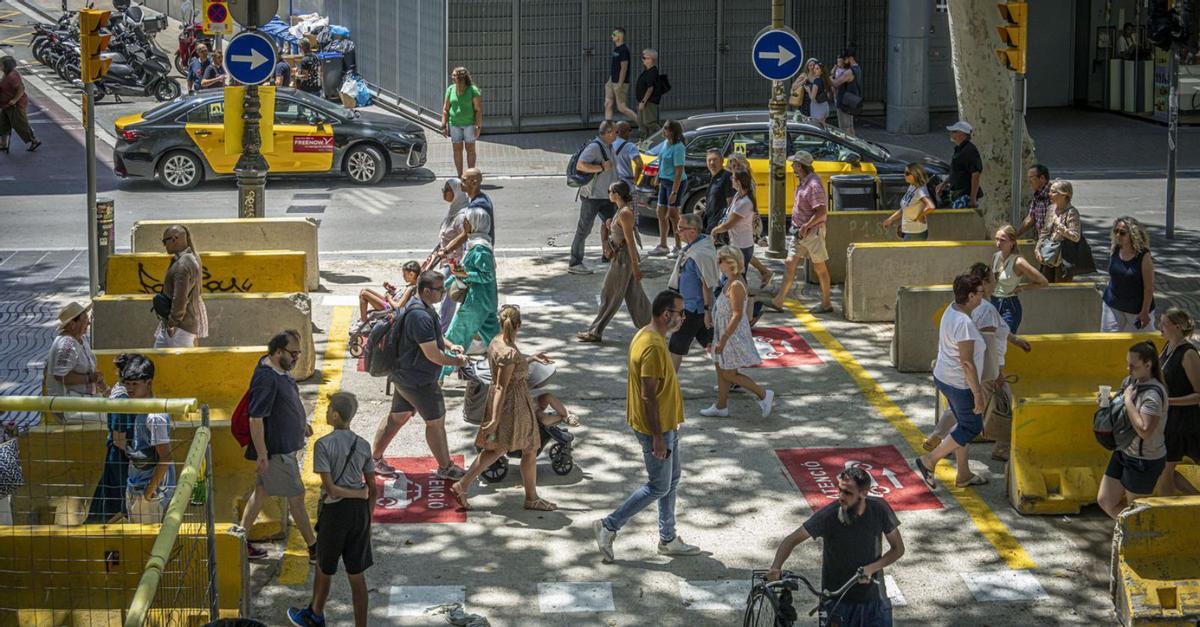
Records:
x=163, y=109
x=860, y=145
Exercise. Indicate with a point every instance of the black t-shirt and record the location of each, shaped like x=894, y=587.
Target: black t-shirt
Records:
x=283, y=69
x=619, y=54
x=648, y=79
x=965, y=162
x=849, y=547
x=720, y=190
x=311, y=66
x=212, y=71
x=275, y=398
x=420, y=325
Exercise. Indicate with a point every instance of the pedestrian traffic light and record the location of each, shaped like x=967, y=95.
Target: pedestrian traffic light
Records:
x=93, y=63
x=1012, y=35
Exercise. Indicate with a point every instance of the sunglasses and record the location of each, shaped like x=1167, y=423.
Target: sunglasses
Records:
x=169, y=238
x=1120, y=232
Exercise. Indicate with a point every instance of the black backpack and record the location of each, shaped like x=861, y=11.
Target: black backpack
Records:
x=575, y=178
x=382, y=353
x=662, y=85
x=1111, y=424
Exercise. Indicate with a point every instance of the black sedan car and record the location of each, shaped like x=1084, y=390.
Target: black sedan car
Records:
x=748, y=132
x=182, y=142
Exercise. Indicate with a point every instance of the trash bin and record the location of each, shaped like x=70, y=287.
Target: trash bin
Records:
x=853, y=192
x=105, y=237
x=333, y=66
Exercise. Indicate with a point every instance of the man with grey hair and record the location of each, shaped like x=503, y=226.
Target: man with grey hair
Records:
x=597, y=159
x=647, y=94
x=695, y=276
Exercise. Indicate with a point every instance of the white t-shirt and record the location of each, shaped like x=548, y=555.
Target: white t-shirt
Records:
x=68, y=355
x=913, y=203
x=742, y=234
x=956, y=327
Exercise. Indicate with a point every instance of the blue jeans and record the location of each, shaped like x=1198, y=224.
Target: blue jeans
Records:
x=589, y=210
x=962, y=403
x=663, y=477
x=1010, y=311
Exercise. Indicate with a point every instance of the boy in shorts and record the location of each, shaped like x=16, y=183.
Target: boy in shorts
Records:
x=343, y=460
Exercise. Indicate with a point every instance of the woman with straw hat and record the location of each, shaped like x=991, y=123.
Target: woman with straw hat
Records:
x=71, y=366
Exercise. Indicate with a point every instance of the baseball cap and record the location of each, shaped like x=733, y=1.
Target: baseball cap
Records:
x=961, y=126
x=802, y=156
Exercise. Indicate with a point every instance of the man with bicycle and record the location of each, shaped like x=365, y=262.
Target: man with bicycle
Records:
x=851, y=530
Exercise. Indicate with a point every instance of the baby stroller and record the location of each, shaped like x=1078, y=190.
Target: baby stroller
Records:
x=359, y=333
x=479, y=376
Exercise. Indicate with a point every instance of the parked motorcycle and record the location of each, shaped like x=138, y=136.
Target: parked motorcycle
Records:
x=143, y=74
x=190, y=36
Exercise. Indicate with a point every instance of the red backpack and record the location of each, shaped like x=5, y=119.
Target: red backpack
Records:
x=239, y=423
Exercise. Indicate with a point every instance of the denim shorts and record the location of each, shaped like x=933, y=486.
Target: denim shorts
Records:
x=460, y=134
x=1010, y=311
x=664, y=193
x=962, y=403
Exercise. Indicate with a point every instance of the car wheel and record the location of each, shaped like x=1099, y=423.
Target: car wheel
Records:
x=98, y=91
x=365, y=165
x=697, y=202
x=166, y=89
x=180, y=170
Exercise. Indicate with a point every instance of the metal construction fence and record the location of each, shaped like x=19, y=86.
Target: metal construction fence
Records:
x=544, y=64
x=80, y=544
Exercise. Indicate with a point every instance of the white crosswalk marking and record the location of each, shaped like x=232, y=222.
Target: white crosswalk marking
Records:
x=895, y=595
x=725, y=595
x=575, y=596
x=1004, y=585
x=414, y=600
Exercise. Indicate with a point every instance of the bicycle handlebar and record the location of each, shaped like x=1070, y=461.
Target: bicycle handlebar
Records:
x=787, y=579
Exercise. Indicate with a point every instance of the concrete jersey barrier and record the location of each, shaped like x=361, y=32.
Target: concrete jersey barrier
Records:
x=1059, y=308
x=127, y=323
x=1055, y=463
x=844, y=228
x=1072, y=363
x=1155, y=580
x=876, y=271
x=224, y=273
x=239, y=235
x=216, y=376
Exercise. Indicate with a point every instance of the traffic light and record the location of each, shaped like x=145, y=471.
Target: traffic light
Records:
x=1012, y=35
x=93, y=63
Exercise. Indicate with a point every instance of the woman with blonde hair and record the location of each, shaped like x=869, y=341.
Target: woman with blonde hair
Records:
x=462, y=116
x=1009, y=268
x=1061, y=226
x=1181, y=374
x=185, y=323
x=734, y=346
x=1129, y=298
x=510, y=420
x=915, y=205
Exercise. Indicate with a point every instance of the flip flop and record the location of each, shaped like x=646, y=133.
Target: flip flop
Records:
x=974, y=480
x=587, y=338
x=926, y=474
x=34, y=146
x=540, y=505
x=460, y=495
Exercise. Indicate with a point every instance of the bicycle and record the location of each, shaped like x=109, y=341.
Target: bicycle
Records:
x=770, y=602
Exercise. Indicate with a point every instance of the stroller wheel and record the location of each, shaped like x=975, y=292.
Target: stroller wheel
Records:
x=561, y=460
x=356, y=347
x=497, y=471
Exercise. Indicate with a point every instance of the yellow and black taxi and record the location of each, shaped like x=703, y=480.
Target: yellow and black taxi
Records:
x=182, y=142
x=748, y=132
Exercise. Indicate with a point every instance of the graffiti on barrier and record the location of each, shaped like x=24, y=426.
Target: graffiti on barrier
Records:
x=153, y=285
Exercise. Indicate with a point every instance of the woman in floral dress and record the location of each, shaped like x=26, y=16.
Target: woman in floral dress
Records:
x=734, y=346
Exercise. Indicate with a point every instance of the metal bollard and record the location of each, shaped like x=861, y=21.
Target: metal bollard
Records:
x=105, y=236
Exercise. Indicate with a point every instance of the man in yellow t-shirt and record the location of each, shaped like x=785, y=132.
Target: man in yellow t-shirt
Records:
x=654, y=411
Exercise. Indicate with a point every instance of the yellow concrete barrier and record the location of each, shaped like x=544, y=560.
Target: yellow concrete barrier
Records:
x=1055, y=463
x=876, y=271
x=217, y=377
x=1060, y=308
x=1072, y=363
x=1156, y=562
x=224, y=273
x=844, y=228
x=126, y=323
x=238, y=235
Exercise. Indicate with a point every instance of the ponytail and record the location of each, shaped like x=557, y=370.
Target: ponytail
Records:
x=510, y=321
x=1147, y=352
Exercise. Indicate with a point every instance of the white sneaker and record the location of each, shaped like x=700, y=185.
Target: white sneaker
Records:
x=677, y=547
x=237, y=530
x=767, y=402
x=658, y=251
x=713, y=410
x=674, y=253
x=579, y=268
x=604, y=540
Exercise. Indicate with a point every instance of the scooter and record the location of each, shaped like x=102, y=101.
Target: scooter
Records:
x=190, y=36
x=144, y=75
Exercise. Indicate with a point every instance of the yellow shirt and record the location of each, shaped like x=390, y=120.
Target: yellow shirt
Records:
x=648, y=357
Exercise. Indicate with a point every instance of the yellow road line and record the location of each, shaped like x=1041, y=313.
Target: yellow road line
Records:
x=295, y=557
x=985, y=519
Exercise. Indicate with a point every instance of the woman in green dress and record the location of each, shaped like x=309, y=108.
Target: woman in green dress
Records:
x=477, y=314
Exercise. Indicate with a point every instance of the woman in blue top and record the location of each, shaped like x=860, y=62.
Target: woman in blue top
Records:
x=671, y=179
x=108, y=502
x=1129, y=297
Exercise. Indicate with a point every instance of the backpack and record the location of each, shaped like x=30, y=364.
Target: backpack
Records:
x=662, y=85
x=239, y=422
x=575, y=178
x=1111, y=424
x=382, y=352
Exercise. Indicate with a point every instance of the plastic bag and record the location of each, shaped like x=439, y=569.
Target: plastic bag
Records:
x=362, y=97
x=349, y=86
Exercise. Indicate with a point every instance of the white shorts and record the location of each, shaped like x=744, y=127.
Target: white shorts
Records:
x=181, y=339
x=461, y=134
x=1113, y=321
x=143, y=511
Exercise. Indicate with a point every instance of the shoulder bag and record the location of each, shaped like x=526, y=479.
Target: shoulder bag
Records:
x=1049, y=249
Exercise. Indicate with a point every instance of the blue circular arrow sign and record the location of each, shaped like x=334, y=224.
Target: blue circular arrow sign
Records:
x=250, y=58
x=777, y=54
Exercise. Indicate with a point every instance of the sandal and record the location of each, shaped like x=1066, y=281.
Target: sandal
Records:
x=572, y=420
x=34, y=146
x=588, y=337
x=926, y=474
x=460, y=495
x=540, y=505
x=974, y=480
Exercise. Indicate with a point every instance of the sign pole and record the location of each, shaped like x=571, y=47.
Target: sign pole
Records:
x=251, y=167
x=1172, y=140
x=89, y=118
x=777, y=217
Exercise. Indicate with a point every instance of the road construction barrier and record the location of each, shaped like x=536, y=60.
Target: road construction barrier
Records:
x=1072, y=363
x=239, y=235
x=844, y=228
x=876, y=271
x=1155, y=567
x=1059, y=308
x=1055, y=463
x=216, y=376
x=224, y=273
x=128, y=323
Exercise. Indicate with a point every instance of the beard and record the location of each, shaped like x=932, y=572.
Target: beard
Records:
x=848, y=515
x=287, y=364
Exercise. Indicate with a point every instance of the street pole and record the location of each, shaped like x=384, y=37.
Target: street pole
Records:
x=89, y=118
x=1018, y=139
x=1172, y=139
x=251, y=167
x=777, y=221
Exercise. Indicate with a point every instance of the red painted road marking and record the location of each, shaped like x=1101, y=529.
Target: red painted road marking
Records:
x=815, y=470
x=417, y=495
x=783, y=347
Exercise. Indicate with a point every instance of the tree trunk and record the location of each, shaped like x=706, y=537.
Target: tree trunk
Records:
x=985, y=100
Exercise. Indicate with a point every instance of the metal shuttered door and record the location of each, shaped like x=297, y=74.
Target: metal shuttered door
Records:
x=741, y=86
x=687, y=34
x=433, y=73
x=821, y=25
x=366, y=40
x=481, y=41
x=551, y=61
x=407, y=47
x=868, y=33
x=603, y=17
x=388, y=28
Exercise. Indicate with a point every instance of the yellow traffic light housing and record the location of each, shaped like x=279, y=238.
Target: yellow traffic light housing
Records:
x=93, y=63
x=1013, y=35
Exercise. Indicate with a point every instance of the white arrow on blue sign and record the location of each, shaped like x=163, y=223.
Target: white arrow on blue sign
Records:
x=250, y=58
x=777, y=54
